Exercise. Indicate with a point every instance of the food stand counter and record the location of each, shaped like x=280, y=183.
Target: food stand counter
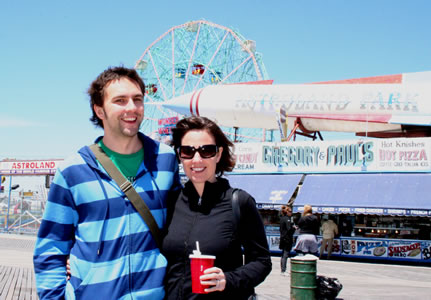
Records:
x=372, y=248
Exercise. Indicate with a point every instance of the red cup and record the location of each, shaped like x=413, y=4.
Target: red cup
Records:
x=198, y=264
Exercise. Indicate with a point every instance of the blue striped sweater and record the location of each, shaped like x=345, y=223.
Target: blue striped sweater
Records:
x=112, y=252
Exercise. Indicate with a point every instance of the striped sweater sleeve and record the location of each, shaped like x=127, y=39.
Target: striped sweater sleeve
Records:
x=54, y=241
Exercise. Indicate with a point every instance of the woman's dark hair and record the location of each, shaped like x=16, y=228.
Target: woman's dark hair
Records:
x=96, y=91
x=285, y=209
x=227, y=160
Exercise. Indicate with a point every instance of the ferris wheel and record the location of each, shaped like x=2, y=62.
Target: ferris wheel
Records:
x=189, y=57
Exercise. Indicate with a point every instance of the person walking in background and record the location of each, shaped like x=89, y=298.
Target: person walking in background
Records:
x=204, y=212
x=329, y=231
x=287, y=229
x=88, y=218
x=308, y=229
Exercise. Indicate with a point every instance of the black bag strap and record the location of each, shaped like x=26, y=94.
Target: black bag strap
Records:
x=236, y=209
x=128, y=189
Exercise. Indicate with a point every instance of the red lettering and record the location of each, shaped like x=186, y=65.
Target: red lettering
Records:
x=413, y=155
x=52, y=164
x=401, y=249
x=410, y=155
x=387, y=155
x=423, y=155
x=247, y=158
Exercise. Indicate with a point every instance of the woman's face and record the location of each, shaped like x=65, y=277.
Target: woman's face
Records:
x=199, y=169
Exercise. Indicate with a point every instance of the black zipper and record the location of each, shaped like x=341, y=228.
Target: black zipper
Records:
x=186, y=254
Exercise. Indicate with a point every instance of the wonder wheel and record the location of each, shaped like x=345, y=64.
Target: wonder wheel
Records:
x=189, y=57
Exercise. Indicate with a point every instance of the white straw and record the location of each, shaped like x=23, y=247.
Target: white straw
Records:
x=197, y=247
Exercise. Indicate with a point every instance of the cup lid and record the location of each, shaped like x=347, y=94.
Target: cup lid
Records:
x=202, y=256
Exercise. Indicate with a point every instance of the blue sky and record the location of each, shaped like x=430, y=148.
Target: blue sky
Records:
x=51, y=50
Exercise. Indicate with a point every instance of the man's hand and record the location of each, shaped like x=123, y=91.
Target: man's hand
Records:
x=68, y=272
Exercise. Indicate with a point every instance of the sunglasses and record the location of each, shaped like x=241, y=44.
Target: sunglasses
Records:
x=205, y=151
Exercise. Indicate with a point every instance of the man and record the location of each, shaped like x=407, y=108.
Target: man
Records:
x=113, y=255
x=287, y=229
x=329, y=231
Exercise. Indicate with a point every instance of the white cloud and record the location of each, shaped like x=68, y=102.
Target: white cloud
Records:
x=13, y=122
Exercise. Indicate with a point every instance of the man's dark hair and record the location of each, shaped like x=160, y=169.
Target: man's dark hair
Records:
x=227, y=160
x=96, y=91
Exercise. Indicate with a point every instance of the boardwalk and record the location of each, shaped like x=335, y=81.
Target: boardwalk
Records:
x=16, y=271
x=360, y=280
x=17, y=283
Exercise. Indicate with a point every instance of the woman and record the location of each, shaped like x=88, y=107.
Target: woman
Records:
x=203, y=212
x=287, y=229
x=308, y=229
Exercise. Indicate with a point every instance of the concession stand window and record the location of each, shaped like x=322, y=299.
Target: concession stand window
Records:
x=372, y=205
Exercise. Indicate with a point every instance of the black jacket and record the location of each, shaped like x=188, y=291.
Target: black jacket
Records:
x=286, y=233
x=309, y=225
x=212, y=224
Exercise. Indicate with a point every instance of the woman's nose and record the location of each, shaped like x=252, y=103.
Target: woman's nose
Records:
x=197, y=156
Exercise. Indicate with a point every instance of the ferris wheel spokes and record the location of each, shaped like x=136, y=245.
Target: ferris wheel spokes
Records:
x=157, y=76
x=247, y=49
x=211, y=60
x=236, y=69
x=164, y=113
x=191, y=57
x=149, y=97
x=173, y=63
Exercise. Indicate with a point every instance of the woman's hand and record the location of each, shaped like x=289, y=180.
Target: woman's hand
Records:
x=215, y=277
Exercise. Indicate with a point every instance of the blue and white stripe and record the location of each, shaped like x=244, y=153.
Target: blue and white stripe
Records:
x=87, y=217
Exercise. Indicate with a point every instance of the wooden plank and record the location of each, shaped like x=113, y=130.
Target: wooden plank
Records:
x=33, y=285
x=17, y=283
x=4, y=282
x=12, y=284
x=2, y=272
x=26, y=295
x=18, y=286
x=3, y=276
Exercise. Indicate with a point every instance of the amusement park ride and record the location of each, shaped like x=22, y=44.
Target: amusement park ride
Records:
x=201, y=68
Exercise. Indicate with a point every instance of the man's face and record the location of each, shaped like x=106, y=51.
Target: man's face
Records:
x=123, y=108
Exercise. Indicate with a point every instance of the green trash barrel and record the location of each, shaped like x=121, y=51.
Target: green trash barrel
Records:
x=303, y=277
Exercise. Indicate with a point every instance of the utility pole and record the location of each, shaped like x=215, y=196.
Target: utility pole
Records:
x=14, y=187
